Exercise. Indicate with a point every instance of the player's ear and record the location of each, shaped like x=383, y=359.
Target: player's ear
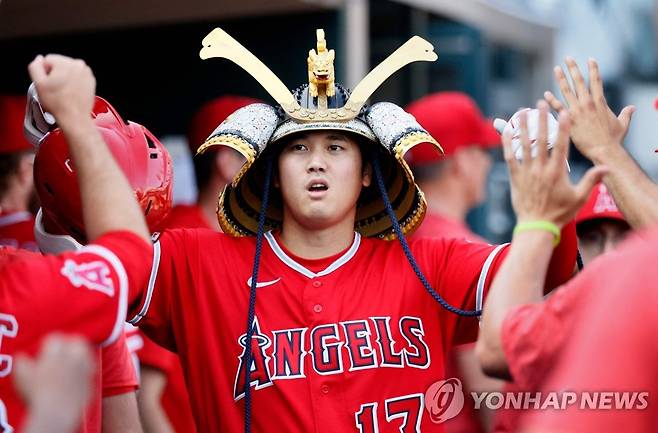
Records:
x=461, y=161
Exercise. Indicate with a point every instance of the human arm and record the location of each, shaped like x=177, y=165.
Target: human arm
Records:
x=599, y=135
x=153, y=415
x=120, y=414
x=520, y=279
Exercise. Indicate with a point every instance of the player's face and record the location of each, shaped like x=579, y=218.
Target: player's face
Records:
x=320, y=177
x=599, y=237
x=475, y=166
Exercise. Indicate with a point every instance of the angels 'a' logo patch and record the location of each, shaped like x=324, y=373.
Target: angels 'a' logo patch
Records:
x=93, y=275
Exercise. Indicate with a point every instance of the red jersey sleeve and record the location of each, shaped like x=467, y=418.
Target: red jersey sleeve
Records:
x=170, y=272
x=533, y=334
x=466, y=270
x=461, y=272
x=84, y=292
x=118, y=371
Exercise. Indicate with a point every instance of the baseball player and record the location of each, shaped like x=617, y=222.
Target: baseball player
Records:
x=618, y=362
x=613, y=283
x=59, y=223
x=301, y=316
x=83, y=292
x=17, y=195
x=455, y=182
x=533, y=335
x=524, y=339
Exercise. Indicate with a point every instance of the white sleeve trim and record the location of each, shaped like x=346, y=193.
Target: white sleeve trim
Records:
x=122, y=308
x=479, y=293
x=149, y=291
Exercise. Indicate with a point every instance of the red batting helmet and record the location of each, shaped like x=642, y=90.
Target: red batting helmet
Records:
x=143, y=159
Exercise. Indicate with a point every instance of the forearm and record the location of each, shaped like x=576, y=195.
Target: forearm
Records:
x=635, y=193
x=153, y=416
x=120, y=414
x=519, y=281
x=108, y=202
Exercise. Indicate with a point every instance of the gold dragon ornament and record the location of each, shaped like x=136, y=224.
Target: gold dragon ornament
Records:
x=321, y=68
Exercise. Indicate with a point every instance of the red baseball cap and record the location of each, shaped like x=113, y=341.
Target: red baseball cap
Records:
x=211, y=115
x=455, y=121
x=12, y=112
x=599, y=205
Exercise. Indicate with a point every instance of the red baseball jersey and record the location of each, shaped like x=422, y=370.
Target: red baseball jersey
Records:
x=350, y=343
x=83, y=292
x=187, y=216
x=17, y=230
x=438, y=226
x=612, y=347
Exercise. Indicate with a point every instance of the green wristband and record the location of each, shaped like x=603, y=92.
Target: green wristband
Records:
x=546, y=226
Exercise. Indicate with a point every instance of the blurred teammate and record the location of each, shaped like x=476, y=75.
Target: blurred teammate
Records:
x=455, y=182
x=609, y=351
x=87, y=289
x=60, y=225
x=534, y=338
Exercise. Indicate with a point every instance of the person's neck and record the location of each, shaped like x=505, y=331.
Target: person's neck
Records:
x=446, y=198
x=15, y=200
x=207, y=201
x=314, y=243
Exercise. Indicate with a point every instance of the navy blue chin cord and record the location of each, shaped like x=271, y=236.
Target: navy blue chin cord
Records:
x=252, y=293
x=379, y=178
